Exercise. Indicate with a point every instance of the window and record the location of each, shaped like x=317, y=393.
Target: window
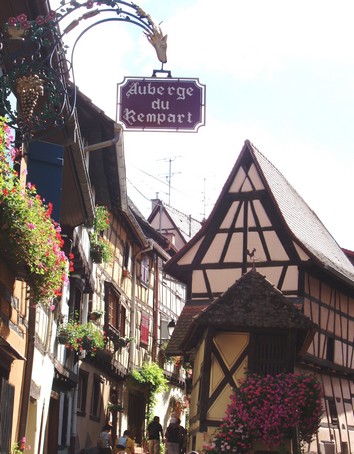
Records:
x=114, y=308
x=332, y=411
x=144, y=270
x=82, y=391
x=77, y=296
x=268, y=354
x=330, y=349
x=122, y=320
x=64, y=418
x=126, y=256
x=96, y=396
x=144, y=330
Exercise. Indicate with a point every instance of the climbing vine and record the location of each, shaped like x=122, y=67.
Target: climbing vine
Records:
x=152, y=376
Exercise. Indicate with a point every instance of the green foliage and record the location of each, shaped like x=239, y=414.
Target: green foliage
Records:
x=29, y=238
x=15, y=449
x=99, y=245
x=101, y=220
x=153, y=377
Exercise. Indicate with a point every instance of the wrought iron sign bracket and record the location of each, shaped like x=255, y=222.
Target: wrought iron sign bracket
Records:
x=35, y=65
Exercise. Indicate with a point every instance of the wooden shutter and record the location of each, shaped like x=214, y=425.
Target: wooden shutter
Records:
x=45, y=169
x=7, y=406
x=144, y=329
x=268, y=354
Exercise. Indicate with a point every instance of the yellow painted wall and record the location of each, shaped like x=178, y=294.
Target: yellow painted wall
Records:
x=231, y=346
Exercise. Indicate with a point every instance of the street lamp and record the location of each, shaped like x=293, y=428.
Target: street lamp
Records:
x=171, y=327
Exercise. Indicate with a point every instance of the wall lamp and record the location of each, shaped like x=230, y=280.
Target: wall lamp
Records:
x=171, y=327
x=167, y=333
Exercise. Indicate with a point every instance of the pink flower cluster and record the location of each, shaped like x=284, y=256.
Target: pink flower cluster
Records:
x=29, y=238
x=268, y=409
x=22, y=21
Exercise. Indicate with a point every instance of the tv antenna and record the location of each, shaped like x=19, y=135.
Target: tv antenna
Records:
x=170, y=174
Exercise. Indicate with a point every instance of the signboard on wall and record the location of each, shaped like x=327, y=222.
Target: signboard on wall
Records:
x=161, y=104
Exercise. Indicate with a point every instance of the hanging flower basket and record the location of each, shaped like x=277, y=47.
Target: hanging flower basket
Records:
x=100, y=248
x=30, y=240
x=96, y=254
x=121, y=342
x=82, y=336
x=96, y=315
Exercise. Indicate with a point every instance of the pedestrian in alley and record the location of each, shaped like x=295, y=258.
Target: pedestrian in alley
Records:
x=182, y=438
x=104, y=442
x=154, y=430
x=172, y=437
x=126, y=443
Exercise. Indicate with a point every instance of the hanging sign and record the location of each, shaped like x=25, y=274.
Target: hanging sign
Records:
x=161, y=104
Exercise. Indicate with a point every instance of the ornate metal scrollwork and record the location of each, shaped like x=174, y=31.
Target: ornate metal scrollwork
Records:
x=36, y=70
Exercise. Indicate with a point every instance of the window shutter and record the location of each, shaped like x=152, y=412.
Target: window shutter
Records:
x=144, y=329
x=45, y=168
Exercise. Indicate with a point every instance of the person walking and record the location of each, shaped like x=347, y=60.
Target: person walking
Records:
x=154, y=430
x=172, y=437
x=104, y=442
x=182, y=438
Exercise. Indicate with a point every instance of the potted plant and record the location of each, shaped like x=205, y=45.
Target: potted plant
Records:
x=96, y=314
x=115, y=407
x=82, y=336
x=100, y=248
x=122, y=342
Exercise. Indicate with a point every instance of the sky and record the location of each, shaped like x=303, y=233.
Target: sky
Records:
x=278, y=73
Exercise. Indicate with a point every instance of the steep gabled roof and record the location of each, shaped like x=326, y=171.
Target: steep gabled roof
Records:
x=349, y=254
x=183, y=223
x=148, y=230
x=301, y=223
x=182, y=327
x=304, y=236
x=252, y=302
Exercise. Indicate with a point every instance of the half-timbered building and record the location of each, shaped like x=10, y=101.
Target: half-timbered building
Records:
x=260, y=222
x=174, y=225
